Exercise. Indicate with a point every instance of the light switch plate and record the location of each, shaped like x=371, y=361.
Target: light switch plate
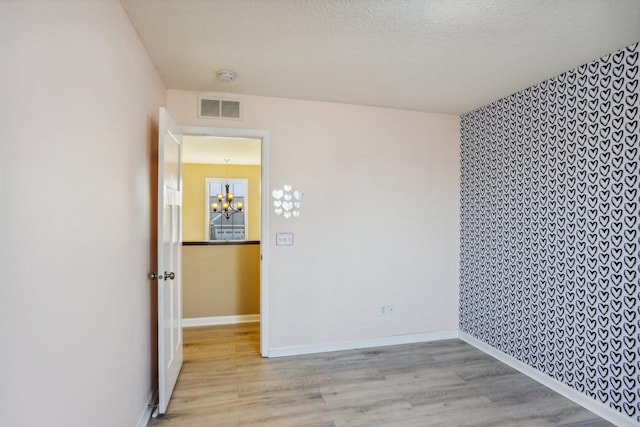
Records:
x=284, y=239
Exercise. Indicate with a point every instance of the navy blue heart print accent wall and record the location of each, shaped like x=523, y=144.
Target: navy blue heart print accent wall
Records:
x=550, y=228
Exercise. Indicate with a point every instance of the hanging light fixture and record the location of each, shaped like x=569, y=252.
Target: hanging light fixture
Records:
x=225, y=201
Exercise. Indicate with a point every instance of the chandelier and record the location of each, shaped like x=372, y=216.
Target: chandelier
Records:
x=225, y=201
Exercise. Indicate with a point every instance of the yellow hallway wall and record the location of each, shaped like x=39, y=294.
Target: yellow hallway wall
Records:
x=193, y=197
x=220, y=280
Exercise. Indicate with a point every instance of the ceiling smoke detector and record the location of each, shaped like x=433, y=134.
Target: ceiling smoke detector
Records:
x=227, y=76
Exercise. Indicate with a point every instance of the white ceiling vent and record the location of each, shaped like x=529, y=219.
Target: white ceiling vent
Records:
x=209, y=108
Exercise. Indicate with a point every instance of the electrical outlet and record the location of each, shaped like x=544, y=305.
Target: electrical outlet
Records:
x=387, y=310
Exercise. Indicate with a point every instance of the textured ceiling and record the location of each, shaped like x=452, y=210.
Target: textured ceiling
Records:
x=448, y=56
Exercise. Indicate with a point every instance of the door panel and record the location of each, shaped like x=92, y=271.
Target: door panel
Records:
x=169, y=258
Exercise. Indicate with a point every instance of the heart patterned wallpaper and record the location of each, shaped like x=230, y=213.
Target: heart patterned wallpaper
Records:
x=550, y=228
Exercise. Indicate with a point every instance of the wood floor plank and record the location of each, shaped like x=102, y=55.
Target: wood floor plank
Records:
x=225, y=383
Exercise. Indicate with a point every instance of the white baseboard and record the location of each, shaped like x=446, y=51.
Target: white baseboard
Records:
x=581, y=399
x=219, y=320
x=358, y=344
x=148, y=411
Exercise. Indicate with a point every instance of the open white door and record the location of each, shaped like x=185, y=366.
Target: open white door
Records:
x=169, y=257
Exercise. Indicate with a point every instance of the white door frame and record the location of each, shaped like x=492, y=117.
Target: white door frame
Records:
x=264, y=214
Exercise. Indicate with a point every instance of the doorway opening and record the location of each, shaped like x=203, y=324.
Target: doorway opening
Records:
x=224, y=259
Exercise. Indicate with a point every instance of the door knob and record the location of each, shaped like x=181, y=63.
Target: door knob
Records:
x=168, y=275
x=154, y=276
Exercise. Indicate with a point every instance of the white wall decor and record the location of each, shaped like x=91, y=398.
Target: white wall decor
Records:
x=287, y=201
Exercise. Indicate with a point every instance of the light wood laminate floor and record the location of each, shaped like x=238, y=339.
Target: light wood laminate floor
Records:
x=224, y=382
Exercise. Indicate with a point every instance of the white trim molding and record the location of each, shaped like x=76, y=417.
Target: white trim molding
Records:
x=358, y=344
x=151, y=409
x=219, y=320
x=583, y=400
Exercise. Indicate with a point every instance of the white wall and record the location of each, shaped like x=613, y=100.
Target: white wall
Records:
x=78, y=104
x=363, y=171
